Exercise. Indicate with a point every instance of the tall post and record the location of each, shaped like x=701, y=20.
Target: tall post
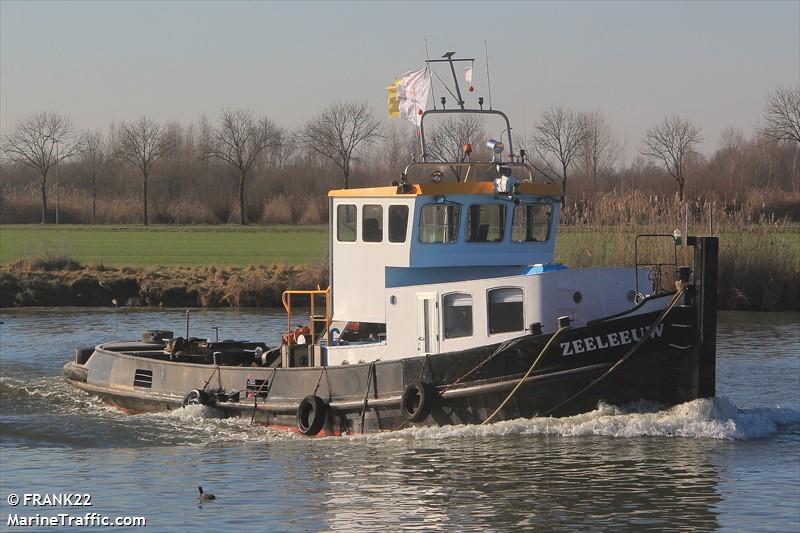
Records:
x=706, y=279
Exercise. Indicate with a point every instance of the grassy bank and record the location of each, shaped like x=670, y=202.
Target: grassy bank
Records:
x=139, y=246
x=211, y=266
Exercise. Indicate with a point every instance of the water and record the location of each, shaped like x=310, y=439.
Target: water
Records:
x=732, y=463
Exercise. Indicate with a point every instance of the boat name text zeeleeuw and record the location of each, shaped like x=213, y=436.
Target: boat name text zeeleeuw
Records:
x=598, y=342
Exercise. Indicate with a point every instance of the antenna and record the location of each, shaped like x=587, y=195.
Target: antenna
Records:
x=488, y=79
x=428, y=67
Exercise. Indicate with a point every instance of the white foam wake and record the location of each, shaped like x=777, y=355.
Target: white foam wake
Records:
x=716, y=418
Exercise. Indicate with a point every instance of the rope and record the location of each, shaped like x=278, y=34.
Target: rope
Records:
x=255, y=398
x=370, y=371
x=501, y=348
x=210, y=377
x=624, y=357
x=528, y=373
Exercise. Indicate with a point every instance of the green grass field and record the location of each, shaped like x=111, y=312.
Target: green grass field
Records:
x=137, y=246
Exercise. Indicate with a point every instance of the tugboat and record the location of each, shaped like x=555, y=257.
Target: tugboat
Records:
x=445, y=306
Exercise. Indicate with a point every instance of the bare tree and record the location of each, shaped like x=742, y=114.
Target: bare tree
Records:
x=337, y=131
x=142, y=144
x=600, y=149
x=238, y=141
x=672, y=142
x=782, y=122
x=782, y=116
x=560, y=133
x=446, y=141
x=41, y=141
x=731, y=150
x=94, y=159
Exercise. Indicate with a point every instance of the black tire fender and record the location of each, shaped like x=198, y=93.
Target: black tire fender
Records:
x=416, y=402
x=196, y=397
x=311, y=413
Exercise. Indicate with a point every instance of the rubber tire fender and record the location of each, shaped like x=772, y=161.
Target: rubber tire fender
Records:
x=311, y=413
x=196, y=397
x=409, y=408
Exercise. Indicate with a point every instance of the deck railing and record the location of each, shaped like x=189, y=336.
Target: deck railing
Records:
x=314, y=318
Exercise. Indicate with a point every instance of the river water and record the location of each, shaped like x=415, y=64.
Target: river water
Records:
x=732, y=463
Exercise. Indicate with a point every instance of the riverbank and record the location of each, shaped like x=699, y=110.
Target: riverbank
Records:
x=67, y=283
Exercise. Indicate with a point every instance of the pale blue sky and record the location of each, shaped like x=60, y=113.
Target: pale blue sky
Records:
x=714, y=62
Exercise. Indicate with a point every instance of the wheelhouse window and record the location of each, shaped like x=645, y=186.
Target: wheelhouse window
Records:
x=372, y=223
x=505, y=310
x=398, y=223
x=486, y=223
x=346, y=223
x=439, y=222
x=531, y=222
x=457, y=315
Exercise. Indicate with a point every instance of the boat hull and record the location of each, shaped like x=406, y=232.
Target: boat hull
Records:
x=580, y=369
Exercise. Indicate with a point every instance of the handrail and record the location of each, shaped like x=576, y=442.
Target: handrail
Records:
x=286, y=300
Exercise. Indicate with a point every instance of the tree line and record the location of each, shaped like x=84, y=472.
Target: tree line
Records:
x=197, y=166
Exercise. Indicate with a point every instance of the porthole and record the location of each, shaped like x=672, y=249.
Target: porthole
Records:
x=577, y=297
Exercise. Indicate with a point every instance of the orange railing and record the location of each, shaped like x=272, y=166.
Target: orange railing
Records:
x=286, y=299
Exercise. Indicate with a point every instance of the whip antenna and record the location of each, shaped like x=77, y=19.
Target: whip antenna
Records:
x=428, y=68
x=488, y=79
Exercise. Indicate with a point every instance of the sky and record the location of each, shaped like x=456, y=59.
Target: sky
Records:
x=636, y=62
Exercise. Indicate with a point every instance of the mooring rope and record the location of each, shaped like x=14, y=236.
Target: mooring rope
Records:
x=370, y=371
x=528, y=373
x=260, y=388
x=625, y=357
x=501, y=348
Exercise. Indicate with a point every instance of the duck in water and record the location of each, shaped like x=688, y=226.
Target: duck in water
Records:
x=205, y=496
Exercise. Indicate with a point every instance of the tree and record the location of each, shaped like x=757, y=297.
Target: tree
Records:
x=142, y=144
x=782, y=116
x=672, y=142
x=782, y=122
x=238, y=141
x=41, y=141
x=560, y=133
x=94, y=159
x=336, y=132
x=600, y=149
x=446, y=141
x=731, y=152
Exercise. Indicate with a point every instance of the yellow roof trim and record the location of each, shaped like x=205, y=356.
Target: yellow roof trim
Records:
x=438, y=189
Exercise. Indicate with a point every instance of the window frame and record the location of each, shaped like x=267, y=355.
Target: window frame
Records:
x=457, y=230
x=526, y=205
x=502, y=222
x=389, y=222
x=443, y=307
x=355, y=223
x=489, y=307
x=364, y=219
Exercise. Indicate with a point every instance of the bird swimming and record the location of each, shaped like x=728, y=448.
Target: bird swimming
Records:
x=204, y=495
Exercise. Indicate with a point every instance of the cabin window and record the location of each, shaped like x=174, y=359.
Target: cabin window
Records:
x=439, y=222
x=457, y=315
x=531, y=222
x=486, y=222
x=505, y=310
x=372, y=223
x=398, y=223
x=346, y=223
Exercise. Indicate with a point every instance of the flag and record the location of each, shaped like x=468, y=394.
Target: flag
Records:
x=394, y=106
x=408, y=96
x=468, y=74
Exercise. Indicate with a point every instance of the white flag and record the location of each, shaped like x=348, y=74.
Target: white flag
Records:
x=468, y=74
x=412, y=95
